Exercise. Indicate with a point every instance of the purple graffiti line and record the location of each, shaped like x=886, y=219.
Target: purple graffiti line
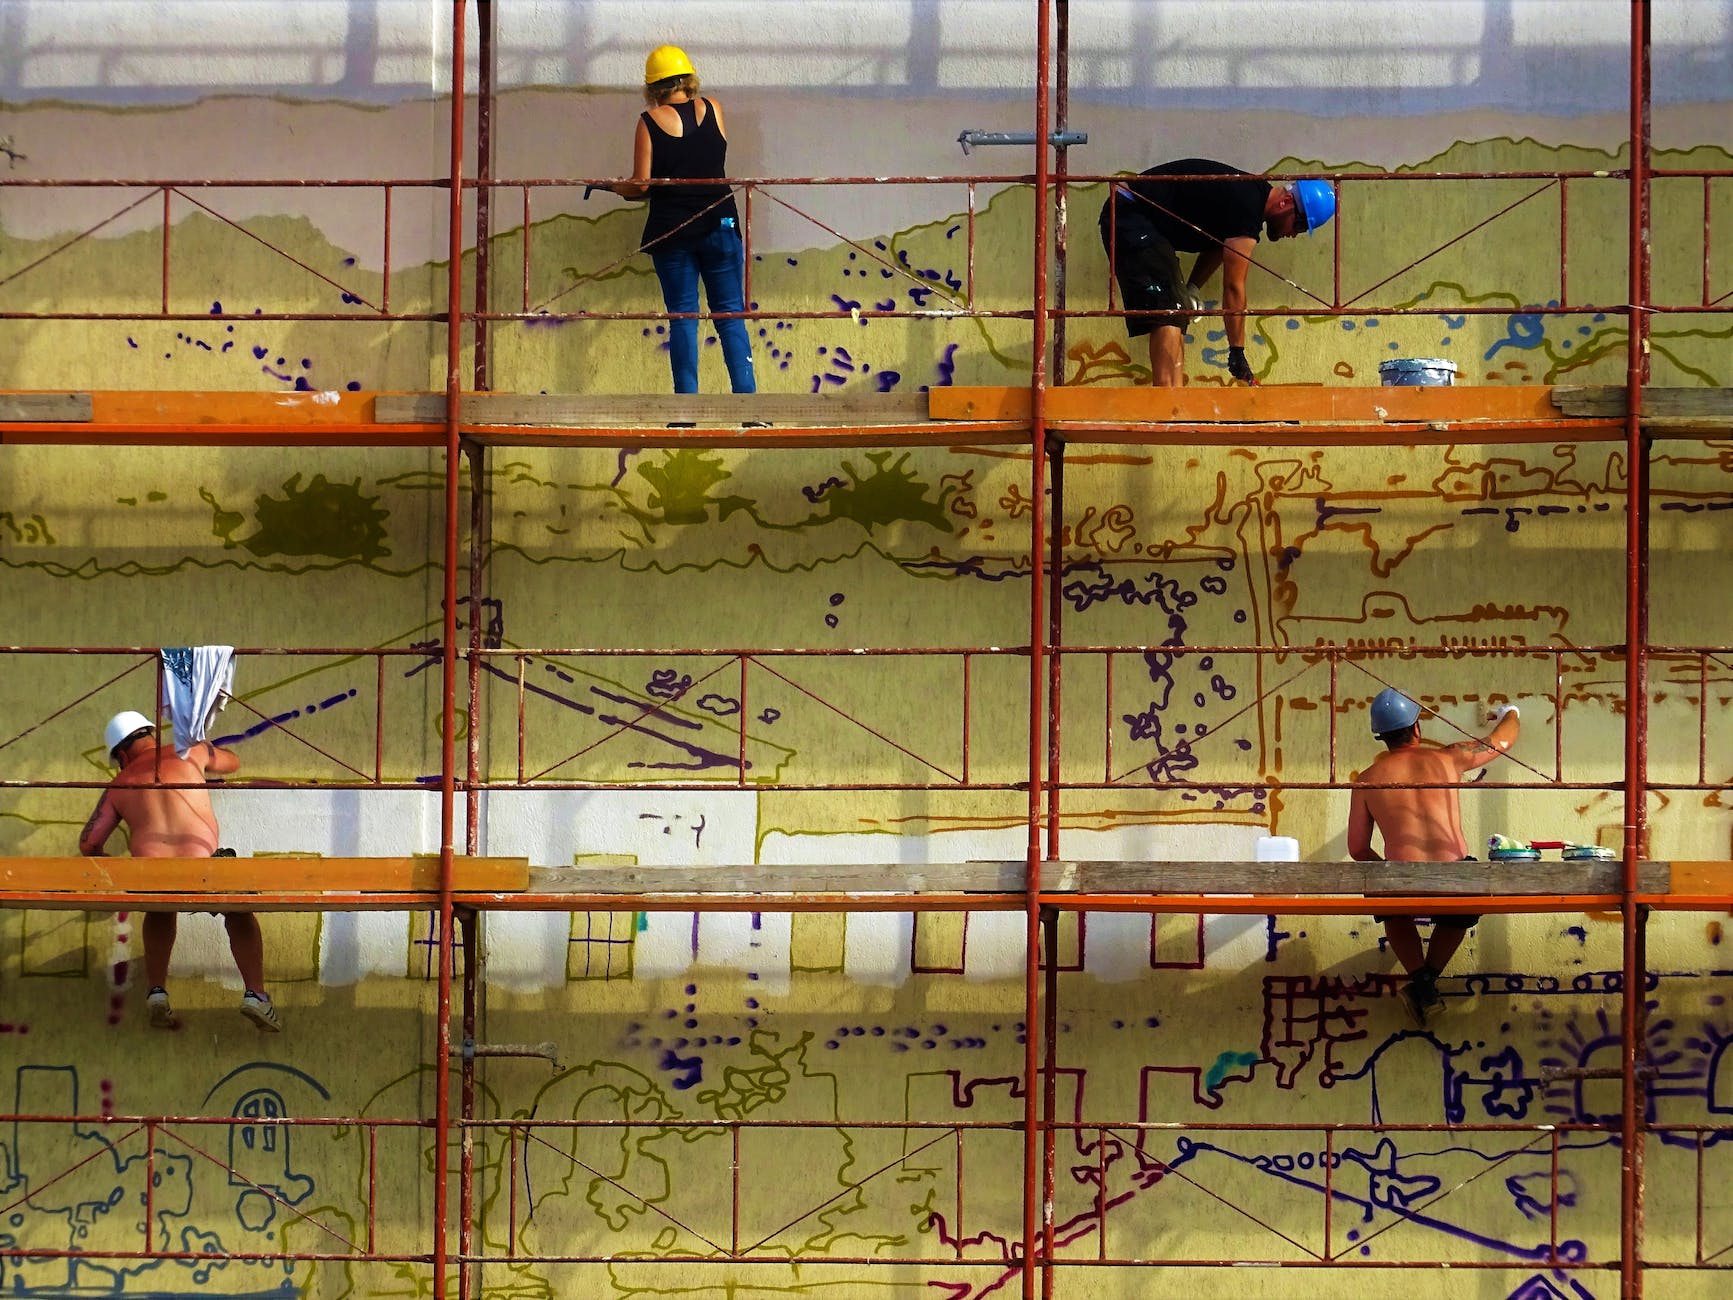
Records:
x=1395, y=1194
x=860, y=248
x=276, y=723
x=816, y=494
x=1153, y=766
x=706, y=758
x=630, y=724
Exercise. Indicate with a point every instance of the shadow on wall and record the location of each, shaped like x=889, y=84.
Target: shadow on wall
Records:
x=1348, y=57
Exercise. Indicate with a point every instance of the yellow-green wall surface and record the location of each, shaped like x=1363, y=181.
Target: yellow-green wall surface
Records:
x=875, y=1019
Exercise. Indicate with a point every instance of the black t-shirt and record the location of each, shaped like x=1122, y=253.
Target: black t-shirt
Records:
x=682, y=215
x=1230, y=208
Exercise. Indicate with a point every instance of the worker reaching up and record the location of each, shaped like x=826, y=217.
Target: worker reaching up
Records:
x=173, y=823
x=692, y=232
x=1148, y=220
x=1419, y=825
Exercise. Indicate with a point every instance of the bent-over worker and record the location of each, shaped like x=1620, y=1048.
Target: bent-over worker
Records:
x=173, y=823
x=1148, y=220
x=1419, y=825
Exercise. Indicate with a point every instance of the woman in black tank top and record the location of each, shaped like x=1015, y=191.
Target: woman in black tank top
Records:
x=692, y=232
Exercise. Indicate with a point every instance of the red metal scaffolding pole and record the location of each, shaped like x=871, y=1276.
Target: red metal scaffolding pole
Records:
x=1635, y=990
x=448, y=654
x=1032, y=1057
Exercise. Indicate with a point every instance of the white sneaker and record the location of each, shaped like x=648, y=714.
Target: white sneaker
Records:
x=262, y=1012
x=162, y=1015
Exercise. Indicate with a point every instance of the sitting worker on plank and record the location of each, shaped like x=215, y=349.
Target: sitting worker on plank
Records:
x=1419, y=825
x=1149, y=220
x=177, y=823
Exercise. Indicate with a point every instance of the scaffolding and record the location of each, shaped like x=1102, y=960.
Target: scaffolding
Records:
x=1043, y=420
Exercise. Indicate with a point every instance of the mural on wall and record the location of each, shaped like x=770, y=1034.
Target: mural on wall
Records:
x=681, y=1026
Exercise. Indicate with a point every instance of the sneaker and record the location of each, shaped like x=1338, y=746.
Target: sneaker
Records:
x=262, y=1012
x=682, y=424
x=756, y=424
x=162, y=1015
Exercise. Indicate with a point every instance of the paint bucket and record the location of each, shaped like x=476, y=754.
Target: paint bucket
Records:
x=1278, y=848
x=1417, y=372
x=1514, y=855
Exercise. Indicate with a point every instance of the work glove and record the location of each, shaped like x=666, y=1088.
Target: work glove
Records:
x=1190, y=301
x=1499, y=710
x=1239, y=367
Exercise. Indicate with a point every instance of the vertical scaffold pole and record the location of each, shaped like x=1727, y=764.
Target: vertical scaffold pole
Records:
x=1061, y=192
x=448, y=654
x=1635, y=990
x=468, y=1278
x=483, y=290
x=1037, y=661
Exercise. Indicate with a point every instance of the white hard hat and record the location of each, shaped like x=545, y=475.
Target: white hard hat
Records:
x=123, y=725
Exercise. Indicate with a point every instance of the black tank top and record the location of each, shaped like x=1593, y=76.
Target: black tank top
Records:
x=699, y=152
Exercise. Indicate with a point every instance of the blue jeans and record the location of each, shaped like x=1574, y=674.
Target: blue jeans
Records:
x=719, y=260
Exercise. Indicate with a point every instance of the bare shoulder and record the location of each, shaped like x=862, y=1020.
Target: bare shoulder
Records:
x=211, y=758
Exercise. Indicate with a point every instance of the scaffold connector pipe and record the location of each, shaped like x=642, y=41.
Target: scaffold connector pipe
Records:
x=971, y=138
x=547, y=1051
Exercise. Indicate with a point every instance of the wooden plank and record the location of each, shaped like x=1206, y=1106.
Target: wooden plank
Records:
x=1294, y=878
x=1607, y=401
x=287, y=874
x=70, y=408
x=1263, y=404
x=1370, y=878
x=1698, y=878
x=901, y=878
x=654, y=410
x=322, y=901
x=222, y=435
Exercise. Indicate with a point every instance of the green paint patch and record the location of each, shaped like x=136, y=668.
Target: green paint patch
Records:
x=323, y=518
x=224, y=523
x=682, y=484
x=889, y=494
x=1226, y=1064
x=33, y=531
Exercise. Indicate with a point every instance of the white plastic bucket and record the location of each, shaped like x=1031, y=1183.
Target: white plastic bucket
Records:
x=1278, y=848
x=1417, y=372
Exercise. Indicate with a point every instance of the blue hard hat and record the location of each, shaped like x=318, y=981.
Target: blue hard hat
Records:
x=1316, y=201
x=1393, y=711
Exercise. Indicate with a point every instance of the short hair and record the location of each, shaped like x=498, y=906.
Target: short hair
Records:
x=660, y=92
x=1401, y=736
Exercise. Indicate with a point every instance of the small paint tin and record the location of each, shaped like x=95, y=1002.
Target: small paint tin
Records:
x=1588, y=853
x=1515, y=855
x=1417, y=372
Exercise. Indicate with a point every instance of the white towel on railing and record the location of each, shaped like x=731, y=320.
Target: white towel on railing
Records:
x=196, y=683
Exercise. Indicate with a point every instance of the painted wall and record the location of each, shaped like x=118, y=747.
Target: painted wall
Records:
x=870, y=1017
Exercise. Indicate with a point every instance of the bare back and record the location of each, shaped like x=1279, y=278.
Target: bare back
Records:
x=163, y=823
x=1416, y=825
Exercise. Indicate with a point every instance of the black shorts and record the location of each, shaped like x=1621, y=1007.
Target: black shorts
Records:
x=1447, y=921
x=1147, y=268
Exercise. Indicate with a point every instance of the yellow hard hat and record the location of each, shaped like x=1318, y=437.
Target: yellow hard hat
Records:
x=666, y=61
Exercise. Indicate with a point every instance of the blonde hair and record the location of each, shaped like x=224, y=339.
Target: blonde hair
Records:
x=660, y=92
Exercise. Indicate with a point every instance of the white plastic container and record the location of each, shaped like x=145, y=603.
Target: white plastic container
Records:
x=1278, y=848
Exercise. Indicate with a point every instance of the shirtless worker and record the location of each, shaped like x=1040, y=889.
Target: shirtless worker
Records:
x=173, y=824
x=1148, y=220
x=1419, y=825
